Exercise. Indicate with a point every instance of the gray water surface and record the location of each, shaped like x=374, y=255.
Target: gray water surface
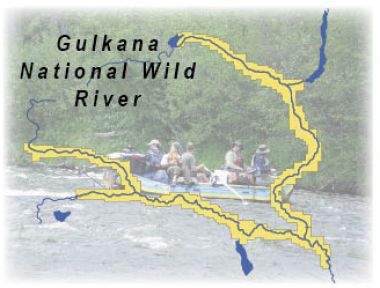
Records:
x=103, y=241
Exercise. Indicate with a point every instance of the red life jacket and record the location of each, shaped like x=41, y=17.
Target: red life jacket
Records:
x=239, y=162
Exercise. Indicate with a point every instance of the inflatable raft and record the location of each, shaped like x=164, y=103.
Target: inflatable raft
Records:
x=216, y=191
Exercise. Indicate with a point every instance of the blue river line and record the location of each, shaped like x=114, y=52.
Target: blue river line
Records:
x=152, y=199
x=173, y=43
x=322, y=55
x=180, y=41
x=246, y=265
x=294, y=112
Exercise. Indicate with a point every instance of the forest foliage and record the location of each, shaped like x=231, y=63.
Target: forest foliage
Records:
x=216, y=107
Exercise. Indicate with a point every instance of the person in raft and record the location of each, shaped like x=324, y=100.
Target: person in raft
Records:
x=260, y=164
x=153, y=161
x=190, y=168
x=172, y=162
x=234, y=164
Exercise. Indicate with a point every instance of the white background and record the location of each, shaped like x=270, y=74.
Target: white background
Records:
x=372, y=6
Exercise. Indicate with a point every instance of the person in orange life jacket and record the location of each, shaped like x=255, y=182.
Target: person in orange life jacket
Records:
x=171, y=162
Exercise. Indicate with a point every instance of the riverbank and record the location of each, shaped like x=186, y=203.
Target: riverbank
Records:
x=327, y=186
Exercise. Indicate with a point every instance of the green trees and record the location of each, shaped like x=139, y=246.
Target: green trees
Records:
x=218, y=105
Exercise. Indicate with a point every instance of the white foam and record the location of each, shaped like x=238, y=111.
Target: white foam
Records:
x=20, y=175
x=146, y=227
x=73, y=206
x=67, y=176
x=53, y=226
x=37, y=193
x=150, y=242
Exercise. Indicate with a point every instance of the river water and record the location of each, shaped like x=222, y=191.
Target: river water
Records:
x=102, y=241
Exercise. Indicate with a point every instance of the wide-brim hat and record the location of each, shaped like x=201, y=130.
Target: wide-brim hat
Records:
x=154, y=142
x=263, y=149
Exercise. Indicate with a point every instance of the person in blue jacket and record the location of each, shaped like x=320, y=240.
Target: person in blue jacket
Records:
x=260, y=163
x=153, y=160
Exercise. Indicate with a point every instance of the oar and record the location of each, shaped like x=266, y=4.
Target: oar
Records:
x=229, y=188
x=244, y=202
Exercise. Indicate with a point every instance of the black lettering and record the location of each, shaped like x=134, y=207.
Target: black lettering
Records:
x=24, y=68
x=82, y=98
x=123, y=100
x=111, y=74
x=166, y=74
x=94, y=42
x=96, y=71
x=67, y=70
x=81, y=44
x=137, y=42
x=42, y=74
x=136, y=98
x=122, y=45
x=176, y=70
x=63, y=46
x=56, y=71
x=190, y=71
x=153, y=45
x=151, y=68
x=107, y=100
x=79, y=72
x=106, y=43
x=125, y=69
x=96, y=97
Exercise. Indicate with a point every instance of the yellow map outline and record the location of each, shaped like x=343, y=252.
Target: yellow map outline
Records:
x=240, y=229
